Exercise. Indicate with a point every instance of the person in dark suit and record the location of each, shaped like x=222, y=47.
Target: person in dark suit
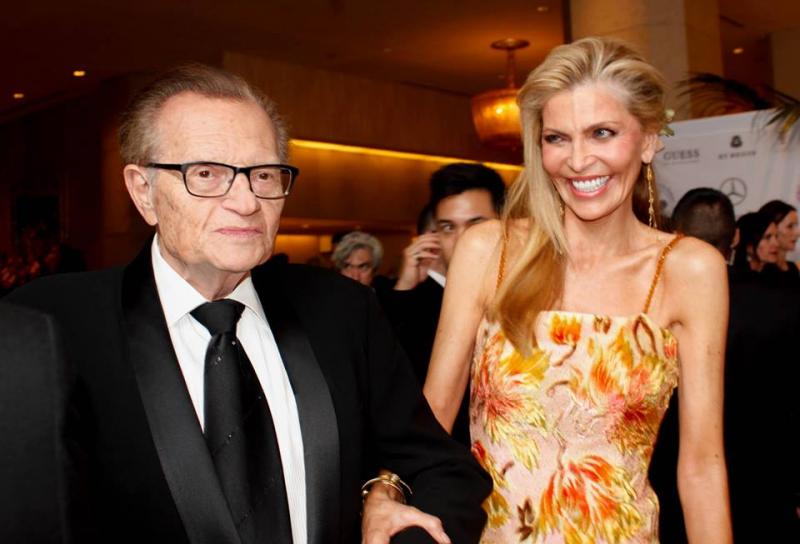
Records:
x=761, y=379
x=35, y=468
x=461, y=195
x=221, y=401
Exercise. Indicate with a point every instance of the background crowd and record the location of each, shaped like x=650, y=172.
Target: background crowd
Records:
x=577, y=269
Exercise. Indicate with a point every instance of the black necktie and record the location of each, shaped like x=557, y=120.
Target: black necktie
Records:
x=239, y=431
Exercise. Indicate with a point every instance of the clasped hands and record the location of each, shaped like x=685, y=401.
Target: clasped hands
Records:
x=385, y=515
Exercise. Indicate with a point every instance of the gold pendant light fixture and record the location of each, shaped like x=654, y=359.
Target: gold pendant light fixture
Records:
x=495, y=113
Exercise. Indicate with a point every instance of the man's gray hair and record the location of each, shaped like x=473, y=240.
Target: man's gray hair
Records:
x=137, y=134
x=357, y=240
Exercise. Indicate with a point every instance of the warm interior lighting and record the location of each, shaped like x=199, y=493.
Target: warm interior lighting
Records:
x=738, y=50
x=328, y=146
x=496, y=118
x=79, y=73
x=495, y=113
x=542, y=9
x=18, y=96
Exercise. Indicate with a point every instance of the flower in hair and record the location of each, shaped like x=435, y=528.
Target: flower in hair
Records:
x=666, y=130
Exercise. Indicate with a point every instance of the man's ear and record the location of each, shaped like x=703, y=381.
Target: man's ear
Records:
x=140, y=188
x=650, y=146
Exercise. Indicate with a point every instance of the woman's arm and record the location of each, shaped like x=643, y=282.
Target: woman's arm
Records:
x=698, y=291
x=471, y=278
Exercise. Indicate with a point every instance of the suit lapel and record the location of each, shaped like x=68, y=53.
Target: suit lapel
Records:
x=177, y=435
x=318, y=422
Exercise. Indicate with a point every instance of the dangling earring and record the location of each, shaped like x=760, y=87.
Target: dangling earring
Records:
x=651, y=211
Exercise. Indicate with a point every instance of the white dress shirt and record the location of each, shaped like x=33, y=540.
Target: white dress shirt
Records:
x=437, y=277
x=190, y=340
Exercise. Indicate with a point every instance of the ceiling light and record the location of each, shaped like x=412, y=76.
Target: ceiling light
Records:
x=495, y=113
x=79, y=73
x=542, y=9
x=18, y=96
x=738, y=50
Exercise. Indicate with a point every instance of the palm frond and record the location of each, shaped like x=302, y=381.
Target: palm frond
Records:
x=711, y=94
x=786, y=114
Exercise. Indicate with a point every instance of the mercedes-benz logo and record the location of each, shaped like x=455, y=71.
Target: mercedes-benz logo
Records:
x=736, y=189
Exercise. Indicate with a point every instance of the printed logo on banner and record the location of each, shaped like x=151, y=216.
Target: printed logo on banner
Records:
x=736, y=143
x=681, y=155
x=735, y=189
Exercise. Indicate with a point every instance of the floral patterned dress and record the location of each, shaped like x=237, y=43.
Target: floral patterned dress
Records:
x=567, y=432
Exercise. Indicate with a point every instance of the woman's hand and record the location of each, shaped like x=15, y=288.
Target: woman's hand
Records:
x=384, y=517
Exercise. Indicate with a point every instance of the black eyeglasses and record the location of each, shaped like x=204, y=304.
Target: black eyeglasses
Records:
x=214, y=179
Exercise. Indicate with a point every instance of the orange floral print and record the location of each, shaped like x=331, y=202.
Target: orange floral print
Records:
x=601, y=323
x=495, y=505
x=589, y=501
x=670, y=346
x=565, y=330
x=503, y=397
x=566, y=433
x=628, y=389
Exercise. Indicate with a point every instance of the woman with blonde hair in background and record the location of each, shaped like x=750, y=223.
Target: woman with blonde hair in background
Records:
x=575, y=318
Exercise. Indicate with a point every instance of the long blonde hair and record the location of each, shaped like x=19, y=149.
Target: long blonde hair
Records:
x=535, y=282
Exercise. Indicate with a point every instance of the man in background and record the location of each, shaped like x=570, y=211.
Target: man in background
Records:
x=761, y=380
x=358, y=256
x=462, y=195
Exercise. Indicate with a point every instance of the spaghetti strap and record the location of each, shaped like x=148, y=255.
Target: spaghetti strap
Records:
x=659, y=266
x=501, y=267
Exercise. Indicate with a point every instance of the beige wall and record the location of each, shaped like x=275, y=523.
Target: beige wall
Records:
x=335, y=107
x=677, y=36
x=786, y=61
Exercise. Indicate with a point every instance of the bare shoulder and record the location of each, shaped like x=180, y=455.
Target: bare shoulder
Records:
x=692, y=259
x=483, y=239
x=696, y=283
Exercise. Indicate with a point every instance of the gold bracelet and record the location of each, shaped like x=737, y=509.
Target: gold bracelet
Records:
x=392, y=480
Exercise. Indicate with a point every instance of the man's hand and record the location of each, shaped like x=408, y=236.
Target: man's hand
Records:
x=384, y=517
x=417, y=258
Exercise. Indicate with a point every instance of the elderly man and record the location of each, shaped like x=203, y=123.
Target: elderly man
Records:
x=358, y=256
x=221, y=401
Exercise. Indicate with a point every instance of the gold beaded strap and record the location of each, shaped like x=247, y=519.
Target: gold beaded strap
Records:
x=501, y=267
x=659, y=265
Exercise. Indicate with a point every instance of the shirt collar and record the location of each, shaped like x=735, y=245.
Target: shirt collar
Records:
x=179, y=298
x=437, y=277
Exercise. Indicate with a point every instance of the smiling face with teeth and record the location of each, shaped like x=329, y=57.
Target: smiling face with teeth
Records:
x=593, y=149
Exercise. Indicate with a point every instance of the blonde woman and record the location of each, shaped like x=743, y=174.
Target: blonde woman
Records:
x=574, y=319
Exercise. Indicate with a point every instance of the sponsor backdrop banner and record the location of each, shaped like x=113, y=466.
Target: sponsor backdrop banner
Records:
x=736, y=154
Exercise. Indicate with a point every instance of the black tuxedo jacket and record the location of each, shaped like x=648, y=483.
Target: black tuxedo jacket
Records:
x=35, y=473
x=414, y=314
x=151, y=478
